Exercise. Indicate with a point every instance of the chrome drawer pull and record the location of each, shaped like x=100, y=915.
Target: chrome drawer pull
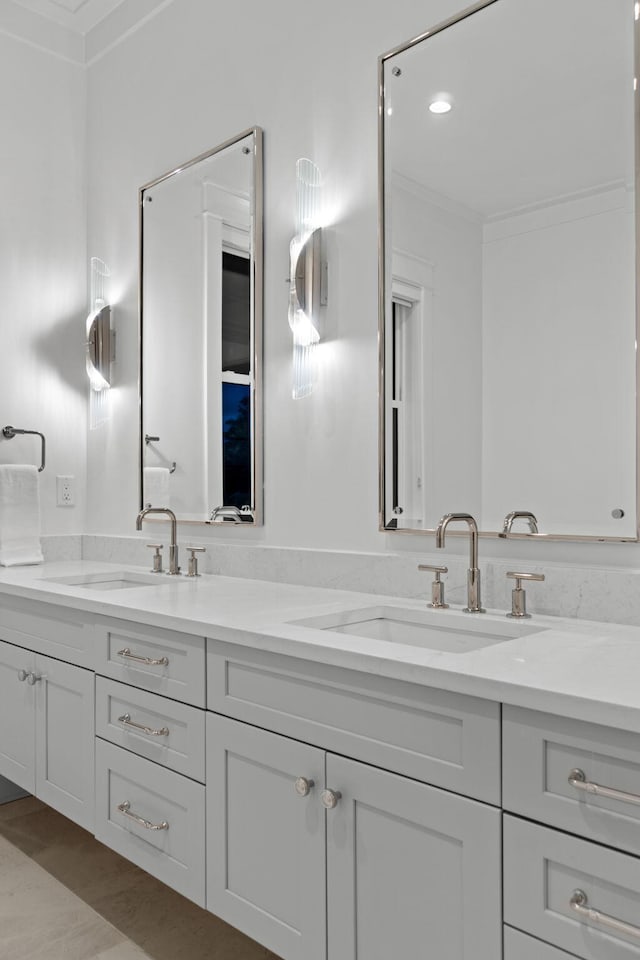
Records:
x=124, y=808
x=148, y=661
x=578, y=780
x=128, y=722
x=579, y=904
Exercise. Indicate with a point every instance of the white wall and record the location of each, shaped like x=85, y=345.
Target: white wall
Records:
x=188, y=79
x=559, y=405
x=43, y=268
x=174, y=381
x=450, y=240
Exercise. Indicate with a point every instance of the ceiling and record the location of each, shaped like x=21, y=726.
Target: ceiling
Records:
x=542, y=96
x=79, y=30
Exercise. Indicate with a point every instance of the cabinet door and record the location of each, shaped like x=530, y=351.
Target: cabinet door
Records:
x=412, y=871
x=17, y=699
x=65, y=739
x=265, y=843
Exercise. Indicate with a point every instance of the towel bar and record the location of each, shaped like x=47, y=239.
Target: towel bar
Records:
x=10, y=432
x=149, y=439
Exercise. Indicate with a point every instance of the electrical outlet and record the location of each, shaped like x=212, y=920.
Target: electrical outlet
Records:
x=66, y=491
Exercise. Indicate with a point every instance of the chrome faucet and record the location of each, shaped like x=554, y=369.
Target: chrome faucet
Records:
x=221, y=514
x=174, y=569
x=474, y=603
x=518, y=515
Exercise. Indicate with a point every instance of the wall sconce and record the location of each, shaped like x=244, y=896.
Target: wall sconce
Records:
x=100, y=339
x=99, y=347
x=308, y=278
x=100, y=344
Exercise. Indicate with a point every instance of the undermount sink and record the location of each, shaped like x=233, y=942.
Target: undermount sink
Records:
x=430, y=630
x=118, y=580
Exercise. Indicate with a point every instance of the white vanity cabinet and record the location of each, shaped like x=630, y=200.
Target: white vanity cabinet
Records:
x=150, y=756
x=329, y=813
x=323, y=856
x=46, y=709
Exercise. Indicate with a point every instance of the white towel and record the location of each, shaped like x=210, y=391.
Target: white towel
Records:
x=156, y=487
x=19, y=515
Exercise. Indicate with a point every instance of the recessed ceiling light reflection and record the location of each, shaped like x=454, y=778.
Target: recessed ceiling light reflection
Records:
x=439, y=106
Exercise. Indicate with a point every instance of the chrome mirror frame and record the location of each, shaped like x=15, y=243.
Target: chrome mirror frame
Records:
x=382, y=268
x=257, y=322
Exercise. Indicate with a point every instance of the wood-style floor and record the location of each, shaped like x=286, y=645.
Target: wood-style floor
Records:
x=64, y=896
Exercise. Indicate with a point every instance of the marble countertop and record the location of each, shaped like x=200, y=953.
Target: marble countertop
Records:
x=576, y=668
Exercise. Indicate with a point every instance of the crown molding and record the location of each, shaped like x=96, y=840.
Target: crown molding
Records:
x=124, y=20
x=37, y=31
x=77, y=36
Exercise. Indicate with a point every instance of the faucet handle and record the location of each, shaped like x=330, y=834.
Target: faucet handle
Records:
x=157, y=557
x=518, y=594
x=437, y=586
x=193, y=560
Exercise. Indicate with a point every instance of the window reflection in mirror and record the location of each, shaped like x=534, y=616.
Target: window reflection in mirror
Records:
x=507, y=264
x=201, y=330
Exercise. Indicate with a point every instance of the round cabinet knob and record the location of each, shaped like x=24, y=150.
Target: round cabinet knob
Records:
x=330, y=798
x=303, y=786
x=22, y=675
x=32, y=679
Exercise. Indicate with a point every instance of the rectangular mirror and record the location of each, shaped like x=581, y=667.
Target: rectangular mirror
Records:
x=201, y=336
x=508, y=270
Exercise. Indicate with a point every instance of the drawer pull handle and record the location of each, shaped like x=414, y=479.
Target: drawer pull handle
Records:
x=579, y=904
x=578, y=780
x=303, y=787
x=31, y=678
x=125, y=807
x=148, y=661
x=128, y=722
x=330, y=798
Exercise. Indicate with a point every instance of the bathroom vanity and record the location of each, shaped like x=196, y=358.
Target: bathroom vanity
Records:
x=332, y=794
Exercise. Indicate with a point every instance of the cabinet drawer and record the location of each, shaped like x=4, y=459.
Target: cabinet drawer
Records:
x=158, y=660
x=519, y=946
x=153, y=817
x=544, y=869
x=160, y=729
x=539, y=754
x=441, y=738
x=56, y=631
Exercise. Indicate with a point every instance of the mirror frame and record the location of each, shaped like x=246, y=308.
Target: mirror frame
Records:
x=257, y=323
x=382, y=262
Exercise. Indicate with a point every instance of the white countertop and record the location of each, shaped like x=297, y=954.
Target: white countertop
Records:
x=575, y=668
